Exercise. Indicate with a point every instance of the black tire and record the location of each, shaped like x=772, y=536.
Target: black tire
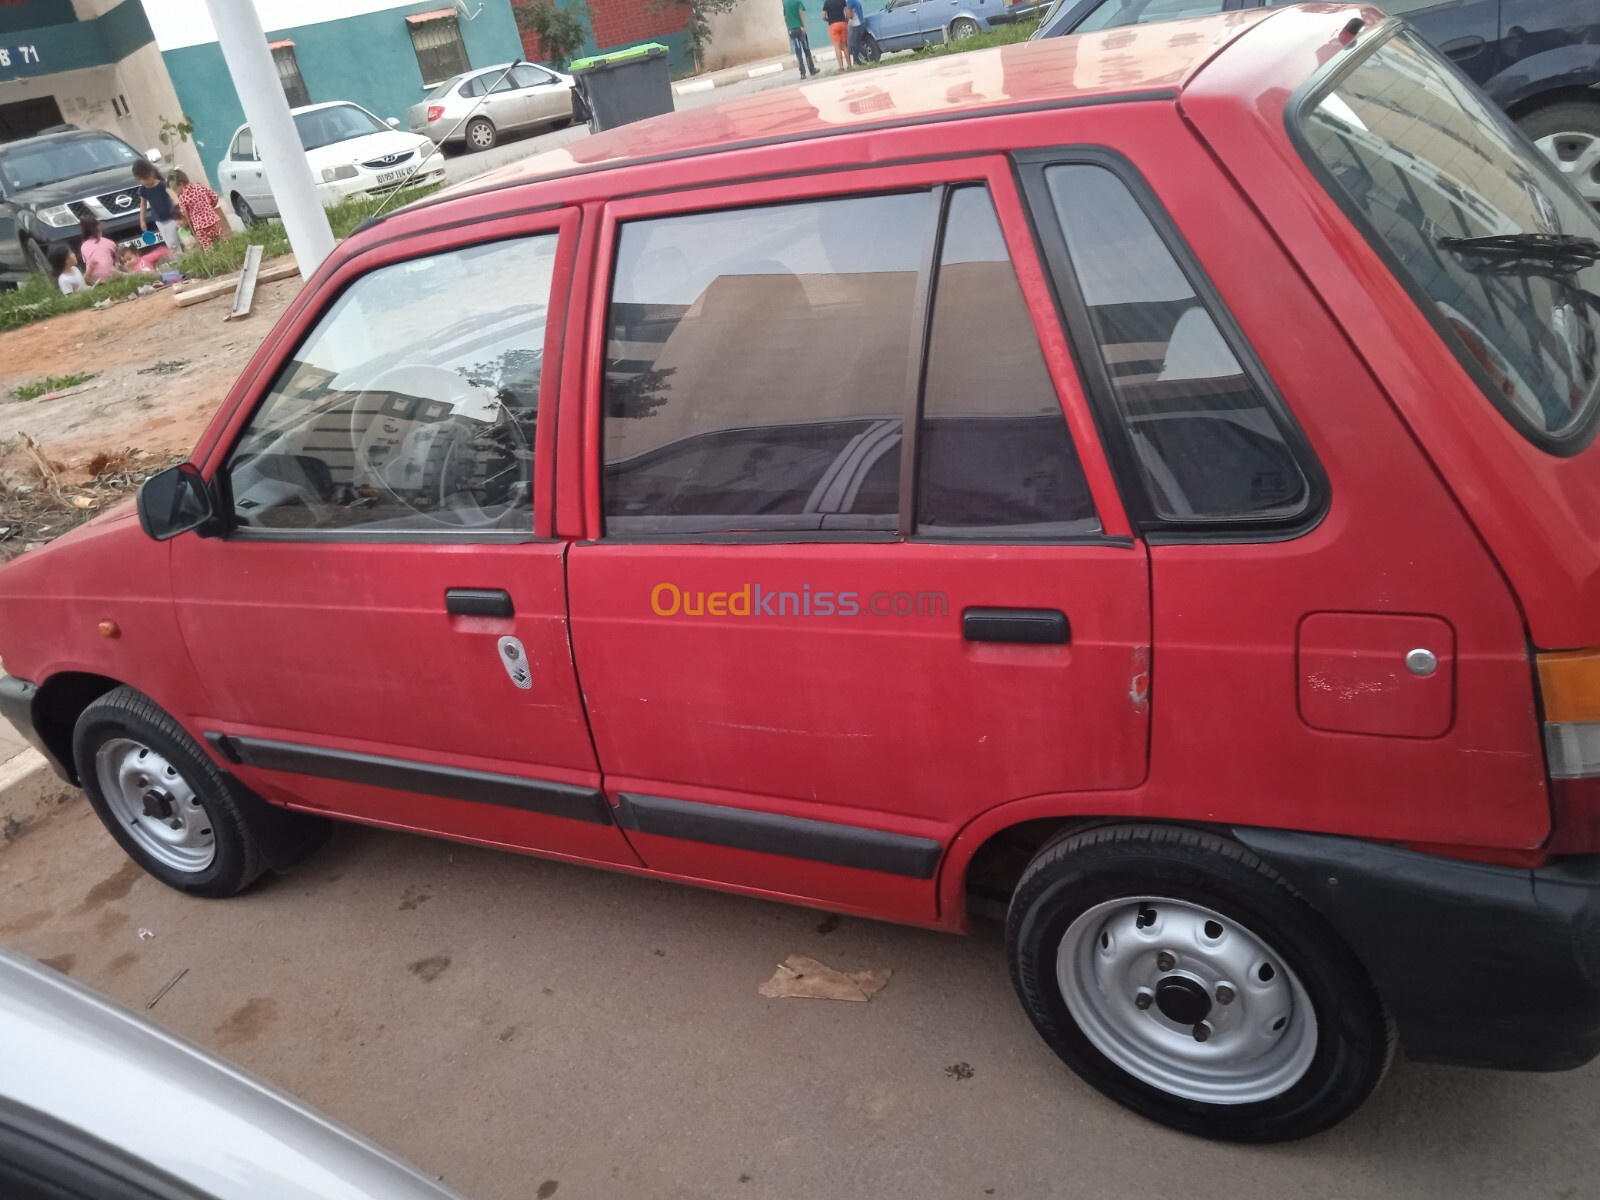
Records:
x=1354, y=1039
x=127, y=714
x=242, y=208
x=1572, y=128
x=37, y=259
x=480, y=134
x=962, y=28
x=870, y=50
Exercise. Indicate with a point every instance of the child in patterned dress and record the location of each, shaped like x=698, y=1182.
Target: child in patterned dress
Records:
x=202, y=211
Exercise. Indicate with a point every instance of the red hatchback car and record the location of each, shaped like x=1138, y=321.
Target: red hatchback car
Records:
x=1141, y=483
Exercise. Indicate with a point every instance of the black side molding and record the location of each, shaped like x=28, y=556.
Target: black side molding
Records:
x=791, y=837
x=1040, y=626
x=16, y=705
x=426, y=779
x=479, y=602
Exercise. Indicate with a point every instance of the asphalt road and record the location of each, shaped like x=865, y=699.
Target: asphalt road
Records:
x=506, y=1022
x=461, y=167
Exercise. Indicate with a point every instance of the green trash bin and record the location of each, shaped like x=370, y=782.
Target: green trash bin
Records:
x=623, y=86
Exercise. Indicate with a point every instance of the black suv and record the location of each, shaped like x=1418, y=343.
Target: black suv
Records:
x=48, y=182
x=1537, y=59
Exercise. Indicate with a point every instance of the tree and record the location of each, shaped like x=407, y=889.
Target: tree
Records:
x=698, y=27
x=560, y=30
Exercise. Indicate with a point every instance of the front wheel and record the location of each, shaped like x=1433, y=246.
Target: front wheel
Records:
x=1184, y=979
x=870, y=50
x=161, y=797
x=1569, y=135
x=38, y=259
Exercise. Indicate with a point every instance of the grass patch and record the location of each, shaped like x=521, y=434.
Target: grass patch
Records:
x=38, y=298
x=50, y=383
x=1005, y=35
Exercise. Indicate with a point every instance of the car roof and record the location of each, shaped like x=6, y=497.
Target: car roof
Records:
x=1153, y=61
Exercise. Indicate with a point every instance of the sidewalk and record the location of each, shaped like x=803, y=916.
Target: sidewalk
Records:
x=735, y=74
x=29, y=789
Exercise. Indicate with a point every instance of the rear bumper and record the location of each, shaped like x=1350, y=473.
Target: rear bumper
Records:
x=1480, y=966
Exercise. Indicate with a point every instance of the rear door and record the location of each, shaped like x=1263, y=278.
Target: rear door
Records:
x=382, y=630
x=853, y=570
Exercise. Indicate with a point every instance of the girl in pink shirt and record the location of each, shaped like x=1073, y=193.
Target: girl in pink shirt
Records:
x=99, y=253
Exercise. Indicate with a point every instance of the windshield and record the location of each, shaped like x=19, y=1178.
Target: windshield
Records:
x=23, y=167
x=1478, y=224
x=324, y=126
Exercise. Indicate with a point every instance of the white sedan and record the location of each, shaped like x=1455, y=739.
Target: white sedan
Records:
x=351, y=153
x=475, y=108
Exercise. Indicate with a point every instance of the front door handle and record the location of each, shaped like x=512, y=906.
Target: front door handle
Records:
x=478, y=602
x=1037, y=626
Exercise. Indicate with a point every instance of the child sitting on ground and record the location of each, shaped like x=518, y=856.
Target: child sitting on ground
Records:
x=157, y=205
x=64, y=266
x=98, y=252
x=202, y=211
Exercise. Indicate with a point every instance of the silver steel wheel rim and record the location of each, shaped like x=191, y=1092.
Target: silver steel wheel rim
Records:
x=1577, y=156
x=1130, y=969
x=964, y=29
x=154, y=803
x=481, y=136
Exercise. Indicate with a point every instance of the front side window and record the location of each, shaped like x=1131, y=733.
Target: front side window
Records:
x=1207, y=444
x=1115, y=13
x=1502, y=252
x=440, y=50
x=528, y=76
x=410, y=408
x=757, y=366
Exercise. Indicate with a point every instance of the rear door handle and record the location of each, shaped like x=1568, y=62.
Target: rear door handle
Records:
x=478, y=602
x=1046, y=626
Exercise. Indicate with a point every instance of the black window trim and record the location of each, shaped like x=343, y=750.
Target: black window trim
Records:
x=1030, y=166
x=904, y=526
x=1580, y=434
x=73, y=1158
x=221, y=481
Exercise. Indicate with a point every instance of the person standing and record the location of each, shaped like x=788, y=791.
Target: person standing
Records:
x=858, y=31
x=833, y=12
x=794, y=17
x=157, y=204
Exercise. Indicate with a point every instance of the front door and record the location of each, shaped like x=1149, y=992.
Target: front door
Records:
x=847, y=584
x=899, y=26
x=385, y=621
x=546, y=98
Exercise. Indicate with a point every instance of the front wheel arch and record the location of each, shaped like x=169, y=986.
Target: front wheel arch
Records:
x=59, y=703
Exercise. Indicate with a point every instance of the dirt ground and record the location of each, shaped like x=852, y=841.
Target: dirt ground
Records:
x=161, y=372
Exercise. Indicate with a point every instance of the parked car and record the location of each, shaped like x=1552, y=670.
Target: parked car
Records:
x=351, y=153
x=1190, y=551
x=472, y=110
x=912, y=24
x=50, y=182
x=1537, y=59
x=95, y=1101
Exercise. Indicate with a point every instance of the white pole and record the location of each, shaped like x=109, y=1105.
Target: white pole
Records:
x=244, y=47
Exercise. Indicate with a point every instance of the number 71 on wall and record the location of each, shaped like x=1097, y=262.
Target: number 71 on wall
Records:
x=19, y=55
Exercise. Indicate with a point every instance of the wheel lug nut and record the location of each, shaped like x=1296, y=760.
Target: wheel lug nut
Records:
x=1202, y=1031
x=1143, y=1000
x=1224, y=994
x=1165, y=961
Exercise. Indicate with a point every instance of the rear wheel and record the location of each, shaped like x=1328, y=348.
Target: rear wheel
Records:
x=1181, y=977
x=962, y=28
x=481, y=134
x=1569, y=134
x=241, y=206
x=161, y=797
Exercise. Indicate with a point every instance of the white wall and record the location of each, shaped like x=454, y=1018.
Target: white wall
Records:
x=751, y=30
x=178, y=23
x=84, y=97
x=150, y=95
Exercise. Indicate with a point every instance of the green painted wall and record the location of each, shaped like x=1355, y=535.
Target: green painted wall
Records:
x=368, y=60
x=34, y=14
x=70, y=44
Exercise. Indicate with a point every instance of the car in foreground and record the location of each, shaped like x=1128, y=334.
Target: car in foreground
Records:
x=1189, y=552
x=98, y=1102
x=474, y=110
x=1537, y=59
x=912, y=24
x=351, y=153
x=49, y=183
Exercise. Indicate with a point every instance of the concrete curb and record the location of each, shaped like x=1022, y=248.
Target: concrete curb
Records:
x=29, y=792
x=727, y=75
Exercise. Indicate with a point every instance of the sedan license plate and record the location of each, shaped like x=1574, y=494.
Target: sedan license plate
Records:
x=387, y=177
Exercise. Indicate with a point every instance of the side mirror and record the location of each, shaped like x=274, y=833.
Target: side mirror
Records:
x=154, y=157
x=393, y=122
x=176, y=501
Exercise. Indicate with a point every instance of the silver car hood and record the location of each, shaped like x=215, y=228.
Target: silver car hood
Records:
x=85, y=1061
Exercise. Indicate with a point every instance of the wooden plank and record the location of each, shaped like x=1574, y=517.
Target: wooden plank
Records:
x=244, y=295
x=201, y=292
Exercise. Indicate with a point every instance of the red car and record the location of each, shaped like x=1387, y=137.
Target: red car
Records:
x=1140, y=483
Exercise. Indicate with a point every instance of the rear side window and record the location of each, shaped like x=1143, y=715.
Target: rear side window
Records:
x=1208, y=445
x=1500, y=252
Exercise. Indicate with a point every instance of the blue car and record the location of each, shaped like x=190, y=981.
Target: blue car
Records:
x=912, y=24
x=1537, y=59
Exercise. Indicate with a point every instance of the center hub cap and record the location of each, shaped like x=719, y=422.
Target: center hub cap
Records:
x=157, y=804
x=1182, y=1000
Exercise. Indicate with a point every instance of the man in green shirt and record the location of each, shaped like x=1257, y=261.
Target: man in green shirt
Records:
x=794, y=16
